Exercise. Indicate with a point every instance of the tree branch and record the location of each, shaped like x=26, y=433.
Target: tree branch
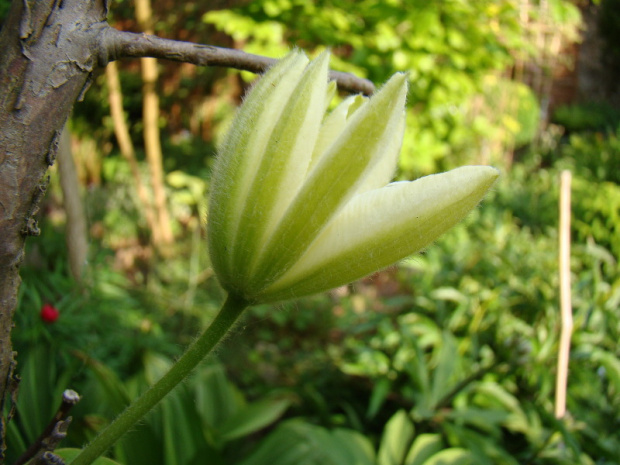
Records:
x=55, y=431
x=120, y=44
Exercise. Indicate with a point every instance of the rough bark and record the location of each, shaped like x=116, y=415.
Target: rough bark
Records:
x=49, y=50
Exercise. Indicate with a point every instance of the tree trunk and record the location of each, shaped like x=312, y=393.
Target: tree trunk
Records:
x=49, y=52
x=150, y=119
x=76, y=236
x=126, y=146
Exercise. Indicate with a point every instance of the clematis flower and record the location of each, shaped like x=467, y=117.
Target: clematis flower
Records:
x=301, y=201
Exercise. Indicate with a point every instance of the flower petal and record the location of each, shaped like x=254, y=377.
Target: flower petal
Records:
x=334, y=124
x=240, y=156
x=283, y=167
x=382, y=226
x=383, y=171
x=334, y=180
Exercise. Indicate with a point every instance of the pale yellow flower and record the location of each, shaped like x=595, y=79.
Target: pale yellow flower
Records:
x=301, y=201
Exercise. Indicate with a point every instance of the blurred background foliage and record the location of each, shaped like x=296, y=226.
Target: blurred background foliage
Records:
x=448, y=358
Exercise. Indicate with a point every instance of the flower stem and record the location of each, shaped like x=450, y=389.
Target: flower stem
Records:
x=229, y=313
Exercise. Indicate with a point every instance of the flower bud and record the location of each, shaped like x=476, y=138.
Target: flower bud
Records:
x=301, y=202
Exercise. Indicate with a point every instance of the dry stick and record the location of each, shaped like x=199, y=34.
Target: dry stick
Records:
x=565, y=297
x=55, y=430
x=126, y=146
x=119, y=44
x=76, y=235
x=150, y=121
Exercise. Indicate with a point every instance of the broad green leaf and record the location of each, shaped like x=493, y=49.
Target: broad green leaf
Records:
x=38, y=370
x=140, y=446
x=484, y=447
x=610, y=363
x=443, y=376
x=253, y=417
x=396, y=439
x=494, y=392
x=155, y=366
x=113, y=389
x=298, y=443
x=181, y=427
x=484, y=419
x=380, y=392
x=217, y=399
x=424, y=446
x=452, y=456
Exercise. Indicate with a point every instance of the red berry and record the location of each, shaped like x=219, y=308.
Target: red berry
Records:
x=49, y=314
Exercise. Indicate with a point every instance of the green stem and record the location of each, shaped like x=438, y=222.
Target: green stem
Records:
x=230, y=311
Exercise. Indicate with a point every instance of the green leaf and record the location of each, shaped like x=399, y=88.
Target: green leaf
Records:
x=114, y=391
x=610, y=363
x=446, y=365
x=483, y=419
x=69, y=454
x=181, y=428
x=453, y=456
x=396, y=440
x=217, y=399
x=483, y=447
x=299, y=443
x=140, y=446
x=424, y=447
x=34, y=408
x=379, y=393
x=253, y=417
x=494, y=394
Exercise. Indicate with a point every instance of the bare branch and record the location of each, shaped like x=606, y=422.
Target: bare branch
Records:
x=120, y=44
x=55, y=431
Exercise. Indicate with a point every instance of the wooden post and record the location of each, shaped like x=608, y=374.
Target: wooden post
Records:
x=565, y=296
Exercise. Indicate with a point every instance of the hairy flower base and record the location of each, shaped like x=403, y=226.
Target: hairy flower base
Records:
x=300, y=201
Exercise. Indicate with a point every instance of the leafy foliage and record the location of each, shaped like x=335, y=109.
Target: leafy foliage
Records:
x=449, y=50
x=461, y=350
x=207, y=417
x=587, y=116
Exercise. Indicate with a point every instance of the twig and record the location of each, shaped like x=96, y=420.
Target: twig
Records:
x=55, y=431
x=45, y=456
x=120, y=44
x=565, y=297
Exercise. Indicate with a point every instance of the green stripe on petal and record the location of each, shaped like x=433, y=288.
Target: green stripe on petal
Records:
x=383, y=171
x=381, y=227
x=334, y=124
x=283, y=166
x=240, y=155
x=334, y=180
